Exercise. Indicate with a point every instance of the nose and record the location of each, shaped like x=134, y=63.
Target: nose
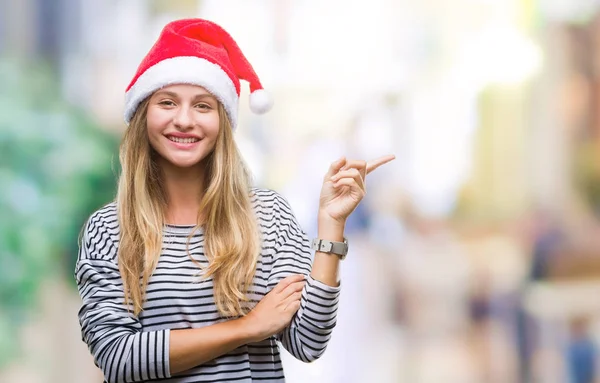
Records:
x=183, y=118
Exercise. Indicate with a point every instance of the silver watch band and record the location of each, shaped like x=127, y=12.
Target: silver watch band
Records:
x=325, y=246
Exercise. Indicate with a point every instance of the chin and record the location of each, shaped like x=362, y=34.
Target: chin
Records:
x=185, y=162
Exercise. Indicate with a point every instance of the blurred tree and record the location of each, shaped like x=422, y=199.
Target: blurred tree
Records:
x=587, y=174
x=54, y=171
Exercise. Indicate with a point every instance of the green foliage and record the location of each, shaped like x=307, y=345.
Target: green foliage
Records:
x=55, y=169
x=587, y=174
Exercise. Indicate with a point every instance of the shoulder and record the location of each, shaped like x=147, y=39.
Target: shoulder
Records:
x=272, y=208
x=268, y=201
x=101, y=232
x=263, y=194
x=105, y=217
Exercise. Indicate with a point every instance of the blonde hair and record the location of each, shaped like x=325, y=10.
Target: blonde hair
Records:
x=231, y=234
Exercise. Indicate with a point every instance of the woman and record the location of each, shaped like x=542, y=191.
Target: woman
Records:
x=192, y=274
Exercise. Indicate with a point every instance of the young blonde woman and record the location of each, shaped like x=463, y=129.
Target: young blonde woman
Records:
x=192, y=274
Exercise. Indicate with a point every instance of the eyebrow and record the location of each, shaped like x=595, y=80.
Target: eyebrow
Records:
x=175, y=95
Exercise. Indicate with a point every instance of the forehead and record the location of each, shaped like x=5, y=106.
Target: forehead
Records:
x=184, y=90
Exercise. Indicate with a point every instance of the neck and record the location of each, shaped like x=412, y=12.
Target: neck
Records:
x=184, y=188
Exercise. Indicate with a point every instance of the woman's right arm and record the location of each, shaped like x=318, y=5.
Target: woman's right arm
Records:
x=192, y=347
x=114, y=335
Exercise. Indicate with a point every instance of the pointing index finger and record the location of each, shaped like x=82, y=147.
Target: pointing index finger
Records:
x=374, y=164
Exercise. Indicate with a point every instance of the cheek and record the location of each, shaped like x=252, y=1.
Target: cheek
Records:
x=215, y=132
x=214, y=126
x=154, y=129
x=153, y=134
x=156, y=120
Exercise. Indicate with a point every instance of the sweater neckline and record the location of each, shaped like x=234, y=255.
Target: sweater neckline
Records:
x=181, y=229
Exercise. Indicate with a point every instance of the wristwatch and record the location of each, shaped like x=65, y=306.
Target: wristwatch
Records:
x=338, y=248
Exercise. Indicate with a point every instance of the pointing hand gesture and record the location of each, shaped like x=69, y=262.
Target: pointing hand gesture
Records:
x=344, y=187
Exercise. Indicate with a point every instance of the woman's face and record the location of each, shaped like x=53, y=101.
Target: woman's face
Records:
x=183, y=124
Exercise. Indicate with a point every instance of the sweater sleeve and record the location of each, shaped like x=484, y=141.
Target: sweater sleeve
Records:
x=308, y=333
x=113, y=334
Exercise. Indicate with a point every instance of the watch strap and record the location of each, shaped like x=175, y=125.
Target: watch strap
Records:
x=326, y=246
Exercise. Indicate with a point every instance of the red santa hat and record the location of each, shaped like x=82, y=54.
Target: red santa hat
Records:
x=198, y=52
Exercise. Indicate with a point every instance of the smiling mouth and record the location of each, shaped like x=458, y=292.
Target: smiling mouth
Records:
x=180, y=140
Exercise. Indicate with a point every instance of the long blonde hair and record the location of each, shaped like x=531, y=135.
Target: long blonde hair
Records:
x=232, y=238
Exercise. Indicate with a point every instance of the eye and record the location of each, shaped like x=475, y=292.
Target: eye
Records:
x=204, y=106
x=166, y=103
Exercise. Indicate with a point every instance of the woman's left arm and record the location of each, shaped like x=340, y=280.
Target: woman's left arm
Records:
x=343, y=188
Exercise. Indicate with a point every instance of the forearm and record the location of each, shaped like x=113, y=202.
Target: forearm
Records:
x=325, y=266
x=308, y=334
x=192, y=347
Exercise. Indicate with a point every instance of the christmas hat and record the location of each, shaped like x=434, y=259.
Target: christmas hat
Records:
x=198, y=52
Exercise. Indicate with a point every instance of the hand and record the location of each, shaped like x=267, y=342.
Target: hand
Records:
x=344, y=187
x=275, y=311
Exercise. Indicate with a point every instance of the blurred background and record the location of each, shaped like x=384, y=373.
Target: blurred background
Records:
x=475, y=256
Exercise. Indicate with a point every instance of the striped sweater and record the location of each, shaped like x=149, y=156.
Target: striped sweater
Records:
x=136, y=349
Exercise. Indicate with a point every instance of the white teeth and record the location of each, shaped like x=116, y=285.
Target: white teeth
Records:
x=183, y=140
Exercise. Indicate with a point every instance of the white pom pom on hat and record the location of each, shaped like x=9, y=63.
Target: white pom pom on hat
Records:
x=198, y=52
x=260, y=101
